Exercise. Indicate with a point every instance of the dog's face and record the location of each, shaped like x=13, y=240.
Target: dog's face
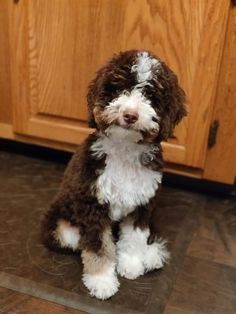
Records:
x=135, y=90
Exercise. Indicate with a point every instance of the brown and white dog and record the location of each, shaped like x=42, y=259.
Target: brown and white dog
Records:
x=134, y=103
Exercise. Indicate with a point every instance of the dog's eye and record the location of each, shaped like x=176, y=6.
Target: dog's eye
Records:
x=154, y=119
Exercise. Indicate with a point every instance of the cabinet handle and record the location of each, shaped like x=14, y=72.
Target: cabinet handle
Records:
x=213, y=133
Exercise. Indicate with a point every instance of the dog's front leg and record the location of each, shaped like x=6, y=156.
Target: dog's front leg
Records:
x=100, y=268
x=134, y=255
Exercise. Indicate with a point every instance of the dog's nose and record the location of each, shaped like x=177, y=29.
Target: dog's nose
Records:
x=130, y=116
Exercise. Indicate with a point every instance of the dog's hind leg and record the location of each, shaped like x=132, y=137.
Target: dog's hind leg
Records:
x=60, y=233
x=67, y=235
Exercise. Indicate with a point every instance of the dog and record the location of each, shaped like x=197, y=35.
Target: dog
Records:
x=115, y=176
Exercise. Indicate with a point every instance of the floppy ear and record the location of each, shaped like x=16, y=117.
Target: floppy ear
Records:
x=95, y=95
x=172, y=102
x=91, y=99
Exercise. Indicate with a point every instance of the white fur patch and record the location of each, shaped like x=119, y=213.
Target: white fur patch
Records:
x=104, y=284
x=137, y=102
x=67, y=235
x=135, y=256
x=125, y=183
x=144, y=67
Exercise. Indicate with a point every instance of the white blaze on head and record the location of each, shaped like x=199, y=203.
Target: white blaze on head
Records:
x=135, y=101
x=143, y=67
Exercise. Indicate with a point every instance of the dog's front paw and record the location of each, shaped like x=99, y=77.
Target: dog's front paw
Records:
x=156, y=255
x=102, y=285
x=130, y=266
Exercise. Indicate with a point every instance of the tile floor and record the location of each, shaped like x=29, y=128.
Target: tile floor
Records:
x=201, y=230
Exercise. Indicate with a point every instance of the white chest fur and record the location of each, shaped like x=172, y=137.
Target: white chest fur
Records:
x=125, y=183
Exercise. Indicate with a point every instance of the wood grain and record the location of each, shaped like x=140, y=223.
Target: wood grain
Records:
x=7, y=132
x=221, y=159
x=54, y=58
x=5, y=82
x=209, y=27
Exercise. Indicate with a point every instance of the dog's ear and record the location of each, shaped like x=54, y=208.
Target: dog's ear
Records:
x=91, y=99
x=172, y=102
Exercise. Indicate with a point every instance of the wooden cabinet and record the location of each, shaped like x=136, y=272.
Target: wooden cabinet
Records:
x=56, y=47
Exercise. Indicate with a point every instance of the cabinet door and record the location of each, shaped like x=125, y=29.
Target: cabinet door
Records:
x=56, y=47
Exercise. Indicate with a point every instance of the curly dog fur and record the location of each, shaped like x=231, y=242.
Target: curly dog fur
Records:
x=134, y=103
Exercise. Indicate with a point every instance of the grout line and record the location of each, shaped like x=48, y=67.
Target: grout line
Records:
x=59, y=296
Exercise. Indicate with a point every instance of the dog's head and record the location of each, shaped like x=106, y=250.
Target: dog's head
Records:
x=136, y=90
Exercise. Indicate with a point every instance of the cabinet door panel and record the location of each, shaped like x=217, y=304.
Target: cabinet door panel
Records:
x=56, y=47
